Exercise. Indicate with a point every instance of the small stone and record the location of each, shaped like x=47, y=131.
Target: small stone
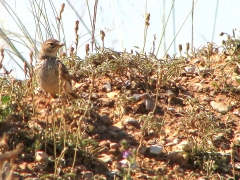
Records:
x=104, y=150
x=198, y=87
x=204, y=71
x=113, y=145
x=132, y=121
x=87, y=174
x=236, y=112
x=156, y=149
x=142, y=150
x=94, y=97
x=105, y=119
x=116, y=165
x=122, y=134
x=127, y=83
x=107, y=87
x=106, y=102
x=116, y=127
x=101, y=129
x=197, y=61
x=112, y=95
x=190, y=69
x=178, y=157
x=149, y=104
x=113, y=134
x=219, y=107
x=136, y=96
x=105, y=158
x=34, y=125
x=41, y=156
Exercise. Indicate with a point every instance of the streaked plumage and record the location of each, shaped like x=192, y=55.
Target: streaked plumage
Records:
x=47, y=71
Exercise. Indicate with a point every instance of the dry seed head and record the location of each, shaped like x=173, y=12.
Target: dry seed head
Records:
x=221, y=34
x=102, y=35
x=61, y=11
x=76, y=26
x=210, y=47
x=187, y=47
x=31, y=57
x=2, y=56
x=71, y=51
x=147, y=19
x=87, y=49
x=180, y=47
x=2, y=51
x=25, y=69
x=167, y=56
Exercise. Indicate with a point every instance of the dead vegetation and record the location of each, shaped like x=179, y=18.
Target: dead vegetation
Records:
x=139, y=117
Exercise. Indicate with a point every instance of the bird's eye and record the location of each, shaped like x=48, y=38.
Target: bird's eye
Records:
x=51, y=44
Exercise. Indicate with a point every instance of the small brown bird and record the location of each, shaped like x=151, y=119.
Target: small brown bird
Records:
x=49, y=70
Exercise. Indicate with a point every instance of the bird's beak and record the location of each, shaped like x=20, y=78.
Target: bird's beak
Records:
x=61, y=45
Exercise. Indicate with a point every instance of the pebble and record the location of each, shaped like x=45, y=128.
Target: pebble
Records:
x=107, y=87
x=132, y=122
x=190, y=69
x=101, y=129
x=113, y=145
x=116, y=127
x=219, y=107
x=113, y=134
x=156, y=149
x=112, y=95
x=87, y=174
x=105, y=119
x=105, y=158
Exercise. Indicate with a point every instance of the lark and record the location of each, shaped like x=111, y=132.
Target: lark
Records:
x=52, y=75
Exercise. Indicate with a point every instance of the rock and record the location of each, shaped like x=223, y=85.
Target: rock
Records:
x=116, y=127
x=107, y=87
x=104, y=150
x=148, y=102
x=198, y=87
x=105, y=119
x=113, y=146
x=219, y=107
x=204, y=71
x=143, y=150
x=105, y=158
x=41, y=156
x=113, y=134
x=94, y=96
x=132, y=122
x=136, y=96
x=87, y=174
x=156, y=149
x=104, y=143
x=184, y=146
x=106, y=102
x=236, y=112
x=101, y=129
x=196, y=61
x=112, y=95
x=178, y=157
x=35, y=126
x=190, y=69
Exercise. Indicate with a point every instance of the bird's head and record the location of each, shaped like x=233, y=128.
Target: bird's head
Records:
x=50, y=48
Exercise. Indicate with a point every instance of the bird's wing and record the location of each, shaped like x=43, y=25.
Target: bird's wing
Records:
x=64, y=71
